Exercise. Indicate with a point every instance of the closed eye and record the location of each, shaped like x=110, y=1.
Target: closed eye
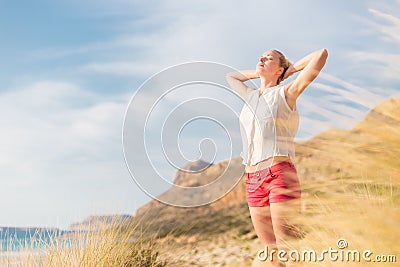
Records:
x=267, y=58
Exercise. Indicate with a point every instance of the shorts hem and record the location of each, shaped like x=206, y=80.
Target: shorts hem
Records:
x=284, y=199
x=273, y=201
x=266, y=205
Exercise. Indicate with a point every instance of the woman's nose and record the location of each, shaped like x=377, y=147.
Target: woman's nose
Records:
x=262, y=59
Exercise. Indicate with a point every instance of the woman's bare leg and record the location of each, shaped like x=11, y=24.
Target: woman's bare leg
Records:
x=263, y=225
x=283, y=215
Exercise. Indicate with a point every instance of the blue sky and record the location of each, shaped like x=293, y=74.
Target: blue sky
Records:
x=69, y=69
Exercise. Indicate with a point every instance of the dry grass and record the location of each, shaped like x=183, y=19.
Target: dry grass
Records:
x=365, y=215
x=109, y=245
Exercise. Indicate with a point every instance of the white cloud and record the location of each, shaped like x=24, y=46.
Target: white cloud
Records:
x=378, y=66
x=122, y=68
x=210, y=31
x=385, y=64
x=349, y=91
x=342, y=105
x=390, y=30
x=51, y=113
x=62, y=151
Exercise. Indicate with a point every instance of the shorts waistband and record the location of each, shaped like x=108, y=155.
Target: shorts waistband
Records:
x=273, y=167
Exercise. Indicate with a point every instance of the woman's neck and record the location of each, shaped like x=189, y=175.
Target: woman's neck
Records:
x=265, y=84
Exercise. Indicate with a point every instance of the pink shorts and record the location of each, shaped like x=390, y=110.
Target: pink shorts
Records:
x=277, y=183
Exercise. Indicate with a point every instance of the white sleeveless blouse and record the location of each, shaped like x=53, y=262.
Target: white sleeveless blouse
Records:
x=267, y=126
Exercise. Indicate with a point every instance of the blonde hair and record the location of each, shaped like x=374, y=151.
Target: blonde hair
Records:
x=284, y=63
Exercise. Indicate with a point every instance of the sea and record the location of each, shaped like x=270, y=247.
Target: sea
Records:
x=30, y=238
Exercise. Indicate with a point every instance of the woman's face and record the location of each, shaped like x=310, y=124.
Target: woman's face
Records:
x=269, y=63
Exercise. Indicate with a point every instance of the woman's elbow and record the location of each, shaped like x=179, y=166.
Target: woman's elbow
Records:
x=321, y=56
x=324, y=53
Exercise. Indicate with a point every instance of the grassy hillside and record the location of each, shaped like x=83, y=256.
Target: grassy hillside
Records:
x=351, y=189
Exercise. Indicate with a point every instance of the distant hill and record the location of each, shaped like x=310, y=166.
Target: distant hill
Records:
x=371, y=150
x=207, y=174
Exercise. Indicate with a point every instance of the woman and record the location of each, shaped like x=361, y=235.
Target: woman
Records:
x=268, y=124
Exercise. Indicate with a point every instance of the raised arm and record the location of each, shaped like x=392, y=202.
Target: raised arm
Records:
x=310, y=66
x=236, y=81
